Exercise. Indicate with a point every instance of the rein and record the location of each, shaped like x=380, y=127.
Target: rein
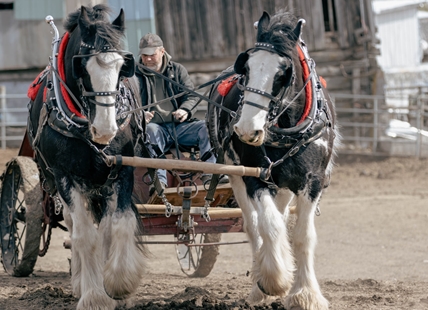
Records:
x=186, y=91
x=203, y=97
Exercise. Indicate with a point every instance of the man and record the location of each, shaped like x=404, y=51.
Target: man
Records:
x=173, y=115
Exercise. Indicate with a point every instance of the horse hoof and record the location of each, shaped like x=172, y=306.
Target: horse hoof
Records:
x=263, y=290
x=118, y=298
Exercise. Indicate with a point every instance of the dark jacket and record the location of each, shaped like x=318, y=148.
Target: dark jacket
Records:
x=175, y=72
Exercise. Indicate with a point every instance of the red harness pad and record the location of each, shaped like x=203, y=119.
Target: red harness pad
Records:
x=226, y=85
x=35, y=86
x=61, y=70
x=308, y=88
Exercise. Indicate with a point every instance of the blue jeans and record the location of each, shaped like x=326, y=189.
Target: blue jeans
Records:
x=188, y=134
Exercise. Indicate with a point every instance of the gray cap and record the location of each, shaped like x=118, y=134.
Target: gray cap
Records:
x=149, y=43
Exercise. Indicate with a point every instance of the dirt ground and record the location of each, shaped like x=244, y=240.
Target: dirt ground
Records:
x=372, y=251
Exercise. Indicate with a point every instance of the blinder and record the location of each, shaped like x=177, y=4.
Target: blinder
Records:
x=128, y=67
x=240, y=62
x=76, y=66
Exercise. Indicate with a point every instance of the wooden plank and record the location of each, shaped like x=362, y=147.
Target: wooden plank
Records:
x=335, y=55
x=214, y=213
x=222, y=195
x=162, y=225
x=342, y=31
x=316, y=21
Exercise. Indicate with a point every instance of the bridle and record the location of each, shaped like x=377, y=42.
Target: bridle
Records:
x=275, y=101
x=86, y=51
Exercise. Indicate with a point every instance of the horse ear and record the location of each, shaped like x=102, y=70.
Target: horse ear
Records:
x=240, y=63
x=263, y=23
x=84, y=21
x=119, y=22
x=298, y=30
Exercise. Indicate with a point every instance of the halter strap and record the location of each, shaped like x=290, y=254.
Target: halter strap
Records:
x=99, y=93
x=268, y=47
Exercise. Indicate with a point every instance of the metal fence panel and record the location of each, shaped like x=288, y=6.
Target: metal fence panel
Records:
x=368, y=124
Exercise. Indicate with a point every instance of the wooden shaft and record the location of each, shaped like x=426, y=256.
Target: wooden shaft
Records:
x=214, y=213
x=187, y=165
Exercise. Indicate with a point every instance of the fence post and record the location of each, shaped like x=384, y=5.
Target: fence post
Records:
x=375, y=125
x=419, y=111
x=3, y=115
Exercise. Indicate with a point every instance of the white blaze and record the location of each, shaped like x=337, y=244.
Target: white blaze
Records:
x=104, y=78
x=262, y=66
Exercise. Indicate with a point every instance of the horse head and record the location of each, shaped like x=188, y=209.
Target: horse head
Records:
x=94, y=65
x=268, y=75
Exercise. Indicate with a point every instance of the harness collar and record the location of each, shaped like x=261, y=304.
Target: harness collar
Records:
x=61, y=69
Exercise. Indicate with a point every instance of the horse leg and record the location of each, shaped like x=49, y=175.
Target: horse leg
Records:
x=305, y=292
x=249, y=215
x=86, y=260
x=124, y=257
x=274, y=266
x=75, y=259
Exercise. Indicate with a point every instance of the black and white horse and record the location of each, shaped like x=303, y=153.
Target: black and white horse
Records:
x=74, y=124
x=285, y=124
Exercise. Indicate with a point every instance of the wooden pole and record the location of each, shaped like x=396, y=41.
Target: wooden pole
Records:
x=187, y=165
x=214, y=213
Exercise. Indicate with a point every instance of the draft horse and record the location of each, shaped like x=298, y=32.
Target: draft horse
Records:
x=278, y=116
x=74, y=123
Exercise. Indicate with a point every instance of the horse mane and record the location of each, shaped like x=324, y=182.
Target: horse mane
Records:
x=280, y=32
x=107, y=34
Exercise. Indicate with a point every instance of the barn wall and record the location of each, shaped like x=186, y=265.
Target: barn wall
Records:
x=399, y=30
x=206, y=36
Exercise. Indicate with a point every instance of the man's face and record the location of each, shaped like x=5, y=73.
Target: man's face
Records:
x=154, y=61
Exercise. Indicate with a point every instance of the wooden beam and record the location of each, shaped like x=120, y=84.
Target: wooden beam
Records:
x=187, y=165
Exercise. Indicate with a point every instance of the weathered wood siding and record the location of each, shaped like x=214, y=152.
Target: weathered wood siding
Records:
x=194, y=29
x=206, y=36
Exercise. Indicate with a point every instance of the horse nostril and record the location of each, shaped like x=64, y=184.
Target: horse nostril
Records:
x=235, y=128
x=94, y=131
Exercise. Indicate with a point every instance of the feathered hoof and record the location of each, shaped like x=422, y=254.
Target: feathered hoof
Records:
x=306, y=300
x=263, y=290
x=93, y=300
x=120, y=293
x=271, y=288
x=256, y=296
x=120, y=288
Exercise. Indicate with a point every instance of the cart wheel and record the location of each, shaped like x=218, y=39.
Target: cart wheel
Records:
x=21, y=216
x=197, y=261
